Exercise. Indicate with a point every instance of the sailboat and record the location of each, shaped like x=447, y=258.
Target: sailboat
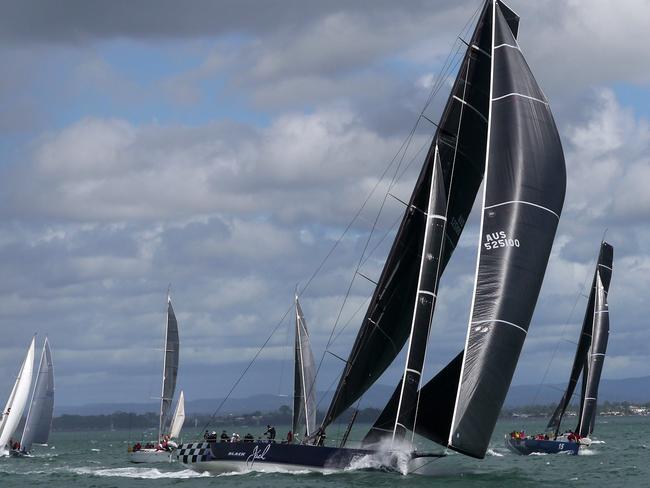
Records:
x=304, y=398
x=588, y=361
x=16, y=403
x=39, y=416
x=169, y=427
x=496, y=129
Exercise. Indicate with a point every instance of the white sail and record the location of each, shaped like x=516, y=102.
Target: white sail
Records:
x=13, y=411
x=179, y=417
x=39, y=416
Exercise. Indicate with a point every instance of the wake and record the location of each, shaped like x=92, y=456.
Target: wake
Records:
x=139, y=473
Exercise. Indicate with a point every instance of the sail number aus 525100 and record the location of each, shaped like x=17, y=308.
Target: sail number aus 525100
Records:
x=495, y=240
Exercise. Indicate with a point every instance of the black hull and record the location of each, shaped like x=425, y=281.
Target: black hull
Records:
x=221, y=457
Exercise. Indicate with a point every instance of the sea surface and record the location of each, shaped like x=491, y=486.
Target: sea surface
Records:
x=97, y=459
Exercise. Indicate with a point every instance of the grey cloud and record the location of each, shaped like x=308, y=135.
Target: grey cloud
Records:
x=80, y=21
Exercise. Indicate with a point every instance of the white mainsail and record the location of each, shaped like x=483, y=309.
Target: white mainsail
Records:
x=41, y=408
x=17, y=401
x=179, y=417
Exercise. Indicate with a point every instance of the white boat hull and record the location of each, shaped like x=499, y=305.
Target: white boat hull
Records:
x=150, y=456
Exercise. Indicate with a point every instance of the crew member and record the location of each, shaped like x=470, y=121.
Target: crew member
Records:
x=270, y=432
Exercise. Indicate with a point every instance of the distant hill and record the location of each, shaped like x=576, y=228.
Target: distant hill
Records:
x=634, y=390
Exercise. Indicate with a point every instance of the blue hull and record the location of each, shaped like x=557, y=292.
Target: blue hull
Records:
x=525, y=447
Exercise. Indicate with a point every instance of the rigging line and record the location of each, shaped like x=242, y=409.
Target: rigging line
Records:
x=447, y=66
x=427, y=463
x=241, y=376
x=557, y=345
x=287, y=355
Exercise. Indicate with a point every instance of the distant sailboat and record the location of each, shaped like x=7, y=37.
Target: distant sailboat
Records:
x=169, y=427
x=39, y=417
x=304, y=399
x=17, y=402
x=588, y=361
x=496, y=129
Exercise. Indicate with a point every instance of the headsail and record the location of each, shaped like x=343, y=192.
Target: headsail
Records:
x=179, y=417
x=592, y=345
x=461, y=138
x=425, y=300
x=18, y=398
x=524, y=191
x=39, y=416
x=304, y=399
x=170, y=366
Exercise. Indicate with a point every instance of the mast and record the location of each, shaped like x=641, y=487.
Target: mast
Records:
x=425, y=298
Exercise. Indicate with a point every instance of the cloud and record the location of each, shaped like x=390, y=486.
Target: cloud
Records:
x=115, y=187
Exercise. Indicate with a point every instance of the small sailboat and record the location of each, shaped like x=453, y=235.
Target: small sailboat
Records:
x=588, y=361
x=496, y=129
x=16, y=403
x=169, y=426
x=304, y=394
x=39, y=417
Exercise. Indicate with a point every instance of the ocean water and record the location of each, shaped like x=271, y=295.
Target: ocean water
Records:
x=620, y=457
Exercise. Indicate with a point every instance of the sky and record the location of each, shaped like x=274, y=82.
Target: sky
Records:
x=224, y=147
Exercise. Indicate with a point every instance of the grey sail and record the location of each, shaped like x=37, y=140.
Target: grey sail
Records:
x=39, y=417
x=591, y=349
x=170, y=367
x=461, y=138
x=524, y=189
x=304, y=400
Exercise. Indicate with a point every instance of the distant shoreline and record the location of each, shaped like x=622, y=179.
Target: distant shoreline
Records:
x=282, y=416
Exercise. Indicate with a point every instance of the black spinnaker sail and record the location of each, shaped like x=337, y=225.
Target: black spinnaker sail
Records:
x=524, y=193
x=590, y=352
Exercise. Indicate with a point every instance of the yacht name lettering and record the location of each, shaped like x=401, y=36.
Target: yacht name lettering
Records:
x=495, y=240
x=257, y=454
